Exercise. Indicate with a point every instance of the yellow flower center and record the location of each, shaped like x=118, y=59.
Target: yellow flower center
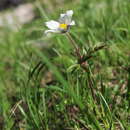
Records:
x=63, y=26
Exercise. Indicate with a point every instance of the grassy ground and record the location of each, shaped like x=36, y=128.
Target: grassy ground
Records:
x=45, y=86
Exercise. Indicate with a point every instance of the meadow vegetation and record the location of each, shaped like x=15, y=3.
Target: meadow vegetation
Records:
x=45, y=86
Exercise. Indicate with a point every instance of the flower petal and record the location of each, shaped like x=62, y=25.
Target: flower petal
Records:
x=62, y=15
x=72, y=23
x=69, y=13
x=66, y=18
x=51, y=31
x=52, y=24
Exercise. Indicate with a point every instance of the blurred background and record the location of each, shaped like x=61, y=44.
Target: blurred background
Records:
x=4, y=4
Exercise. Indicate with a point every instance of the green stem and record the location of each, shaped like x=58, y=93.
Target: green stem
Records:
x=74, y=45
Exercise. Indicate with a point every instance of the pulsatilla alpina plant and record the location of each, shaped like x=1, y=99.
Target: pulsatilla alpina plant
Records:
x=62, y=26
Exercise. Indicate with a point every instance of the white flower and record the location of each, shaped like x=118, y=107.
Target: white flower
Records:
x=62, y=25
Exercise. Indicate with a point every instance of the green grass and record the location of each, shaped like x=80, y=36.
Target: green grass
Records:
x=44, y=85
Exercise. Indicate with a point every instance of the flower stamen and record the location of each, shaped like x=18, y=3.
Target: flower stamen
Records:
x=63, y=26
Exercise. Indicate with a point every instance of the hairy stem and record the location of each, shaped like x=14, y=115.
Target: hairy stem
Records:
x=74, y=45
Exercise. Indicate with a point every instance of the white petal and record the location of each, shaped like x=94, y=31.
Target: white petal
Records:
x=52, y=24
x=62, y=15
x=72, y=23
x=66, y=18
x=69, y=13
x=51, y=31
